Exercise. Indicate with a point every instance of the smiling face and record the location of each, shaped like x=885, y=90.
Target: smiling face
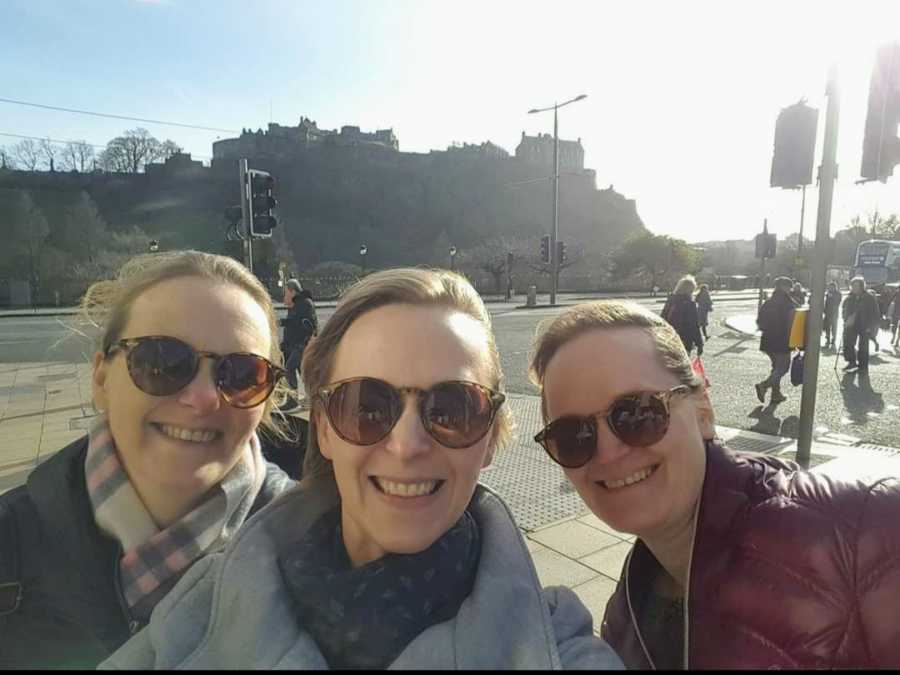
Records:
x=150, y=432
x=585, y=376
x=406, y=346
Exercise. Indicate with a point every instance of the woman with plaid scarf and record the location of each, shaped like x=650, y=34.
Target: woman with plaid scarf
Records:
x=389, y=554
x=170, y=470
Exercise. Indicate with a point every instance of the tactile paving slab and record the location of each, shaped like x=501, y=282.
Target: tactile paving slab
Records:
x=533, y=486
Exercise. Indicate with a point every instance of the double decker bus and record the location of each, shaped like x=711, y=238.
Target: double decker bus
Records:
x=877, y=261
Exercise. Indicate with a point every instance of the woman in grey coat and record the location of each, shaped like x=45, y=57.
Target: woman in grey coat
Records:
x=389, y=554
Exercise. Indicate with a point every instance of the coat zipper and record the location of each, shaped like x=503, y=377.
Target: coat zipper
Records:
x=634, y=622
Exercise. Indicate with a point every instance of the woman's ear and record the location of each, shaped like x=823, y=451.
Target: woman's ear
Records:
x=706, y=416
x=98, y=382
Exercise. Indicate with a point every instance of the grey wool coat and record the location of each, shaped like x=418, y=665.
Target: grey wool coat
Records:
x=233, y=610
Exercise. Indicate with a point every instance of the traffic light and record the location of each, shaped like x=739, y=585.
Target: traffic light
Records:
x=509, y=260
x=881, y=146
x=262, y=221
x=560, y=251
x=795, y=143
x=766, y=245
x=545, y=248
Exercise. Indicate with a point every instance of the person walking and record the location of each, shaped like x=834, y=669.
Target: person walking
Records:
x=300, y=324
x=832, y=310
x=861, y=318
x=798, y=295
x=774, y=320
x=704, y=307
x=680, y=311
x=893, y=315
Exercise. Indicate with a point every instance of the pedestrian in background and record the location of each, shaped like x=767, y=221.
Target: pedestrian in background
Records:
x=832, y=309
x=681, y=312
x=742, y=560
x=169, y=471
x=300, y=324
x=893, y=315
x=798, y=295
x=389, y=554
x=704, y=307
x=862, y=319
x=774, y=320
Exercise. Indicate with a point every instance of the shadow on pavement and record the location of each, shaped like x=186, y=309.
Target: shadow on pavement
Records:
x=768, y=423
x=859, y=397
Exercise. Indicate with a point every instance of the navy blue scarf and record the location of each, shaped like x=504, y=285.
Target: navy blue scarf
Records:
x=364, y=617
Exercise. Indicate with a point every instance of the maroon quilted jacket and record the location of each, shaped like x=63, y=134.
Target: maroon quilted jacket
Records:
x=789, y=570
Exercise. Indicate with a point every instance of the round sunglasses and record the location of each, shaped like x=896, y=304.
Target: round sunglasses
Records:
x=638, y=419
x=161, y=366
x=363, y=410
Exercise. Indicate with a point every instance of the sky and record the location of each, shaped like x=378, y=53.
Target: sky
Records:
x=682, y=97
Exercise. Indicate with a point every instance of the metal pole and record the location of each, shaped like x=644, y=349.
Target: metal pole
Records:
x=762, y=269
x=814, y=320
x=245, y=212
x=554, y=257
x=802, y=212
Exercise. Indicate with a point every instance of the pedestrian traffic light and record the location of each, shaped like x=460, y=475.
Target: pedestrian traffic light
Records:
x=795, y=143
x=262, y=221
x=561, y=251
x=881, y=145
x=509, y=260
x=545, y=248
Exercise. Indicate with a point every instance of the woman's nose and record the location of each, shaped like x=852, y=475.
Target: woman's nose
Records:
x=408, y=438
x=610, y=448
x=201, y=393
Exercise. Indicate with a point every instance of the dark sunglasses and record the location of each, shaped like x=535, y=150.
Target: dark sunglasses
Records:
x=162, y=366
x=456, y=414
x=639, y=419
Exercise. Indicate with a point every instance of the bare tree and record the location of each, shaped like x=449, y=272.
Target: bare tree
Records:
x=6, y=159
x=77, y=156
x=27, y=154
x=169, y=148
x=131, y=151
x=48, y=151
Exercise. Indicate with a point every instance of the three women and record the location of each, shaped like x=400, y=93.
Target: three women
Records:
x=388, y=554
x=182, y=375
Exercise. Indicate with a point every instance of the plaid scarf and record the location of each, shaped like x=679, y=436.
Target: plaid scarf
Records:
x=153, y=560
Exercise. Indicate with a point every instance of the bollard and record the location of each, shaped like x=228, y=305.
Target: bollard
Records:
x=532, y=296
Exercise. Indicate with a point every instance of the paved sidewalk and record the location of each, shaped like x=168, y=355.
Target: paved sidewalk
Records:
x=45, y=406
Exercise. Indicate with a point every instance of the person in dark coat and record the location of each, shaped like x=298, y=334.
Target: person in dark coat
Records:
x=774, y=319
x=169, y=471
x=680, y=311
x=704, y=307
x=862, y=319
x=300, y=325
x=832, y=310
x=742, y=560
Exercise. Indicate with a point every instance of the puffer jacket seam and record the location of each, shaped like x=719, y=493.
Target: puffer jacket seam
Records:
x=820, y=591
x=763, y=640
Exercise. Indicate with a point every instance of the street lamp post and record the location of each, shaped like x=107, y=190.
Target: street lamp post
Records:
x=554, y=236
x=362, y=257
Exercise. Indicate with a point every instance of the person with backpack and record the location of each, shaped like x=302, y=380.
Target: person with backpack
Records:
x=170, y=469
x=680, y=311
x=774, y=320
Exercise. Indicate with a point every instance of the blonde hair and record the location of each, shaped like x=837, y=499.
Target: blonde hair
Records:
x=107, y=304
x=686, y=286
x=606, y=315
x=409, y=286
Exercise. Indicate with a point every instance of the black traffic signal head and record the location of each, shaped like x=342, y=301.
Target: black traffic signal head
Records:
x=881, y=145
x=560, y=251
x=262, y=202
x=545, y=248
x=795, y=143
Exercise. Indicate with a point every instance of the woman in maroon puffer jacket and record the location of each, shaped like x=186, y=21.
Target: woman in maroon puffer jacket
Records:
x=742, y=560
